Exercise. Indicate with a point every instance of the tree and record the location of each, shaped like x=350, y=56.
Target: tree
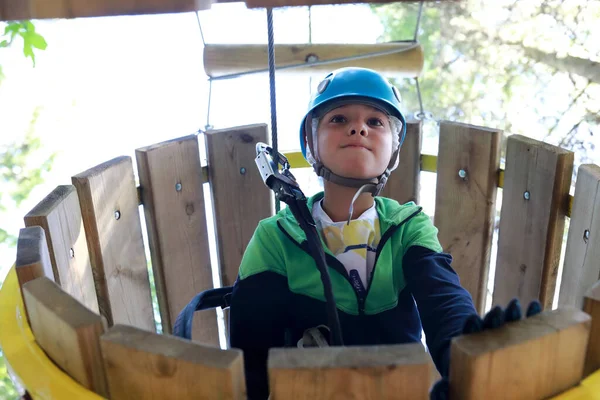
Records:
x=523, y=66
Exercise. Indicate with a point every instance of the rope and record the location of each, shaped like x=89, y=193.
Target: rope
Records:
x=273, y=101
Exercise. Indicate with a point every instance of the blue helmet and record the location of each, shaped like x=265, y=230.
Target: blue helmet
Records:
x=352, y=85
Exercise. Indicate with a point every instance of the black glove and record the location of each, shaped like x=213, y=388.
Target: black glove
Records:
x=495, y=318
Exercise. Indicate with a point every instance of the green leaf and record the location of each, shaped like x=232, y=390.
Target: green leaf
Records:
x=28, y=51
x=37, y=41
x=4, y=43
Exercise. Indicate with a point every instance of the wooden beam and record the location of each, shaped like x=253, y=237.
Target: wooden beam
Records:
x=173, y=198
x=357, y=372
x=145, y=365
x=533, y=358
x=591, y=305
x=403, y=184
x=225, y=59
x=109, y=207
x=60, y=217
x=68, y=332
x=465, y=205
x=535, y=194
x=289, y=3
x=582, y=257
x=33, y=258
x=49, y=9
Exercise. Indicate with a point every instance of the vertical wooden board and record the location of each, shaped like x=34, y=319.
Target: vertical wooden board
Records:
x=534, y=204
x=173, y=199
x=68, y=332
x=582, y=257
x=465, y=205
x=109, y=207
x=533, y=358
x=145, y=365
x=591, y=305
x=356, y=372
x=33, y=258
x=403, y=184
x=239, y=196
x=60, y=217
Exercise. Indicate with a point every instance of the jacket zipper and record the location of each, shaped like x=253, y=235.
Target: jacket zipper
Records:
x=339, y=267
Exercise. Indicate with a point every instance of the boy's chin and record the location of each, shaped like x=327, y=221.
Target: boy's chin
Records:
x=357, y=173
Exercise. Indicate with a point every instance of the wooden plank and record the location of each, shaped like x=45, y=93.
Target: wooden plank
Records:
x=109, y=207
x=403, y=184
x=289, y=3
x=60, y=217
x=173, y=198
x=224, y=59
x=33, y=258
x=145, y=365
x=465, y=203
x=533, y=358
x=591, y=305
x=239, y=196
x=582, y=257
x=68, y=332
x=535, y=194
x=357, y=372
x=43, y=9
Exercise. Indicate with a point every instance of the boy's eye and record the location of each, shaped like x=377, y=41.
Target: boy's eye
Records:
x=338, y=119
x=375, y=121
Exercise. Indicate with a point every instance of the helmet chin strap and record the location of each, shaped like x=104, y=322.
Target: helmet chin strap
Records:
x=373, y=186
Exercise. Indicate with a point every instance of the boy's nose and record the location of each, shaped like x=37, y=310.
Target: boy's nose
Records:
x=361, y=129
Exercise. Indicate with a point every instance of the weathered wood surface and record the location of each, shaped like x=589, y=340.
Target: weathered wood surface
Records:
x=591, y=305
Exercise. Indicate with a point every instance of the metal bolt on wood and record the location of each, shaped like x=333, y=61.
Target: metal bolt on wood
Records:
x=117, y=215
x=71, y=252
x=178, y=186
x=462, y=174
x=243, y=171
x=586, y=235
x=526, y=195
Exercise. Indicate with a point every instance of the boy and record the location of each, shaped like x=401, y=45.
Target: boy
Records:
x=389, y=275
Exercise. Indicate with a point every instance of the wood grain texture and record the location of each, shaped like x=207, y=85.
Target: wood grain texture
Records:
x=369, y=372
x=582, y=257
x=465, y=207
x=60, y=217
x=533, y=358
x=224, y=59
x=288, y=3
x=531, y=230
x=68, y=332
x=403, y=183
x=145, y=365
x=109, y=207
x=173, y=199
x=44, y=9
x=240, y=201
x=591, y=305
x=33, y=257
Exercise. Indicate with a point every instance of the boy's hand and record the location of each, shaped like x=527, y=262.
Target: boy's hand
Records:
x=495, y=318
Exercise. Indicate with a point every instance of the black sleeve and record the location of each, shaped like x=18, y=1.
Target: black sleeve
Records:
x=443, y=303
x=257, y=322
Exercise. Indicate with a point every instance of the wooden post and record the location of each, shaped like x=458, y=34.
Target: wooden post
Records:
x=173, y=199
x=33, y=258
x=109, y=207
x=145, y=365
x=239, y=196
x=534, y=204
x=357, y=372
x=591, y=305
x=60, y=217
x=582, y=258
x=465, y=206
x=68, y=332
x=403, y=184
x=225, y=59
x=533, y=358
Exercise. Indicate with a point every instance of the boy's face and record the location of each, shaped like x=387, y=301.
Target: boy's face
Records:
x=355, y=141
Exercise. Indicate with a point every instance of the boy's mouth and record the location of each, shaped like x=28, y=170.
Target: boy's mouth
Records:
x=356, y=145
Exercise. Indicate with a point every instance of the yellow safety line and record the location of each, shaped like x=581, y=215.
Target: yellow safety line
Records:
x=428, y=164
x=32, y=369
